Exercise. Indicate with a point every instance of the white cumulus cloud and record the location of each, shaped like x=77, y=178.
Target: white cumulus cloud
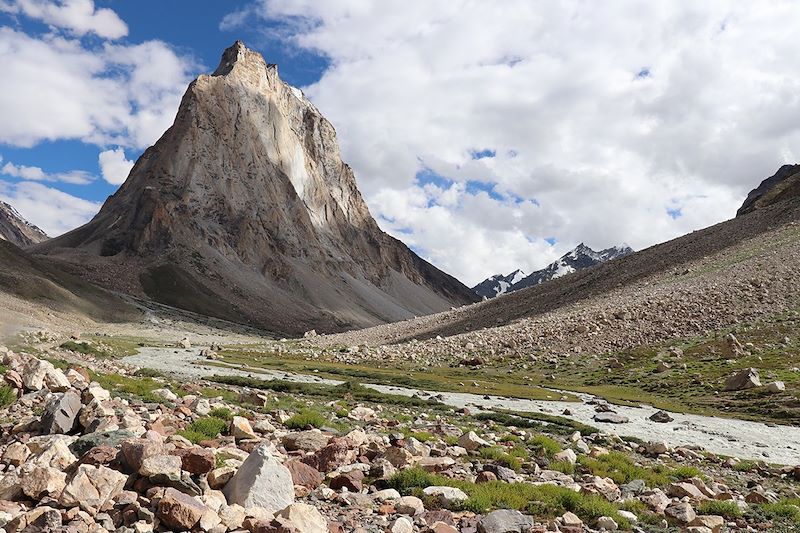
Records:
x=55, y=88
x=79, y=17
x=114, y=166
x=54, y=211
x=75, y=177
x=602, y=117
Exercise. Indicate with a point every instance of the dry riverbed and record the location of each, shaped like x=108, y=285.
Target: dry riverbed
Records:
x=738, y=438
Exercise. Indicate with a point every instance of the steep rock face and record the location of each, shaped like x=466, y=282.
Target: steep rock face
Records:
x=244, y=210
x=17, y=230
x=782, y=185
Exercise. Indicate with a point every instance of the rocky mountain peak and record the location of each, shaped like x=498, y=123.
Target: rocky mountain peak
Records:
x=244, y=210
x=17, y=230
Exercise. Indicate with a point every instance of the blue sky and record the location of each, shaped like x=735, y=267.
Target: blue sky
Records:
x=486, y=139
x=194, y=33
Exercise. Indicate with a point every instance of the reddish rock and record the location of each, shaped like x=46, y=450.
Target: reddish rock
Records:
x=135, y=451
x=196, y=460
x=305, y=475
x=99, y=455
x=339, y=452
x=485, y=477
x=179, y=511
x=351, y=481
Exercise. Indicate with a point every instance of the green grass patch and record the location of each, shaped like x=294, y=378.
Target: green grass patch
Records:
x=149, y=373
x=223, y=413
x=686, y=472
x=8, y=395
x=508, y=457
x=349, y=389
x=725, y=508
x=422, y=436
x=542, y=501
x=746, y=465
x=132, y=386
x=205, y=428
x=84, y=348
x=545, y=445
x=784, y=509
x=489, y=380
x=557, y=425
x=622, y=469
x=306, y=420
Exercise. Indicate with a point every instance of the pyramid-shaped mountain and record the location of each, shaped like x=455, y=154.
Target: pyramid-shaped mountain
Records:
x=244, y=210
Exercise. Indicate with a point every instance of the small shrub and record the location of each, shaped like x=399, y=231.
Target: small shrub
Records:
x=223, y=413
x=745, y=465
x=622, y=469
x=205, y=428
x=306, y=420
x=547, y=445
x=686, y=472
x=8, y=395
x=728, y=508
x=565, y=467
x=82, y=347
x=785, y=509
x=499, y=455
x=149, y=373
x=422, y=436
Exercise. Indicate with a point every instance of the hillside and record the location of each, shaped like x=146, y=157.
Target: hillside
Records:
x=30, y=288
x=702, y=281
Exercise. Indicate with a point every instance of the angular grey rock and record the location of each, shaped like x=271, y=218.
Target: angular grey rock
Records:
x=308, y=441
x=61, y=413
x=611, y=418
x=261, y=481
x=662, y=417
x=743, y=379
x=505, y=521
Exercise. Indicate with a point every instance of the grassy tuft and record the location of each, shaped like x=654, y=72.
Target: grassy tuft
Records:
x=548, y=446
x=539, y=500
x=621, y=469
x=8, y=395
x=784, y=509
x=205, y=428
x=724, y=508
x=306, y=420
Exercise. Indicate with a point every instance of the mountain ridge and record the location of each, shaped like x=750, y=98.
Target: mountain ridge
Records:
x=578, y=258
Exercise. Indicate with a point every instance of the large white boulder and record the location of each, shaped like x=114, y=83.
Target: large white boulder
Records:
x=261, y=481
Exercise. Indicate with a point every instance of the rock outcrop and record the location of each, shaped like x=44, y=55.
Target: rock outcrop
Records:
x=17, y=230
x=782, y=185
x=244, y=210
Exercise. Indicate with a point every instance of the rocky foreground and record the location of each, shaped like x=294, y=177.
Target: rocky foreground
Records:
x=78, y=457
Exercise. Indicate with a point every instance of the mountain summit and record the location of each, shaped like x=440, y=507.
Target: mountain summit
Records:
x=17, y=230
x=244, y=210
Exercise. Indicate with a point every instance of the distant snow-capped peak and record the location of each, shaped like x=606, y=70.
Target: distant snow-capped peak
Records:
x=578, y=258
